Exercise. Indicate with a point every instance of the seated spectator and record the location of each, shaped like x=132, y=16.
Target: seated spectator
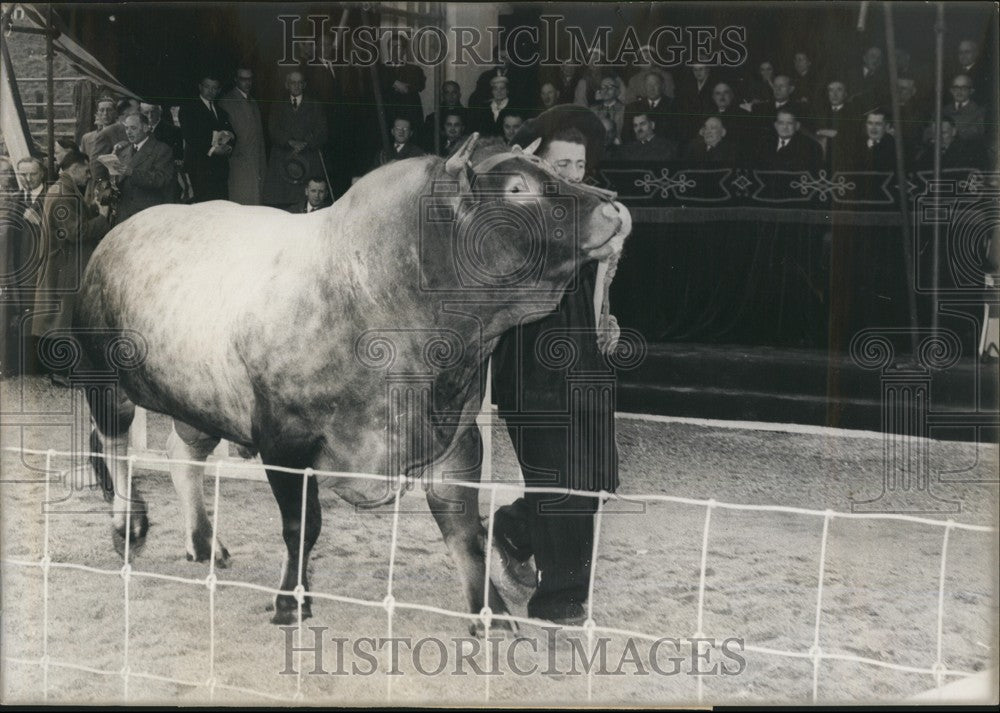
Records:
x=968, y=116
x=807, y=84
x=789, y=149
x=735, y=117
x=454, y=132
x=402, y=145
x=648, y=145
x=635, y=89
x=609, y=106
x=488, y=118
x=548, y=96
x=712, y=146
x=317, y=196
x=970, y=62
x=875, y=150
x=955, y=152
x=451, y=100
x=656, y=105
x=870, y=83
x=834, y=117
x=513, y=120
x=694, y=93
x=518, y=87
x=782, y=97
x=913, y=117
x=759, y=89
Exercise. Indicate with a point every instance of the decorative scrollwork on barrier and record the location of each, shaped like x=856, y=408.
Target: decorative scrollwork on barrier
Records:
x=664, y=183
x=823, y=187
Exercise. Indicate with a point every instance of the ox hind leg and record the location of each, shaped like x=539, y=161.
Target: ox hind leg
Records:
x=456, y=510
x=299, y=539
x=112, y=414
x=186, y=443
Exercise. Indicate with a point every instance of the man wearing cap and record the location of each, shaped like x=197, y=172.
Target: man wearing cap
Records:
x=560, y=416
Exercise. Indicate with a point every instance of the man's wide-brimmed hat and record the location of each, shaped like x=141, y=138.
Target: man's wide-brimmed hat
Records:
x=562, y=116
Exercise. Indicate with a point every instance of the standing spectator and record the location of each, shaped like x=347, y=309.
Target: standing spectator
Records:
x=24, y=246
x=164, y=131
x=548, y=96
x=248, y=161
x=656, y=105
x=695, y=93
x=454, y=132
x=401, y=83
x=789, y=150
x=738, y=119
x=297, y=128
x=206, y=155
x=402, y=146
x=317, y=196
x=609, y=106
x=489, y=117
x=106, y=116
x=870, y=83
x=955, y=152
x=451, y=101
x=71, y=229
x=513, y=120
x=148, y=169
x=648, y=145
x=712, y=145
x=63, y=146
x=912, y=116
x=968, y=116
x=110, y=136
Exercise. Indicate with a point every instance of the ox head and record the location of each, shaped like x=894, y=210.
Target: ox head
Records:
x=508, y=225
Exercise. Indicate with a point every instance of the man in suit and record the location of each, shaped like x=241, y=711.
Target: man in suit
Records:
x=968, y=117
x=164, y=131
x=248, y=161
x=451, y=101
x=106, y=116
x=401, y=83
x=969, y=62
x=789, y=150
x=206, y=162
x=712, y=145
x=739, y=121
x=611, y=107
x=876, y=151
x=656, y=105
x=148, y=177
x=21, y=228
x=548, y=96
x=519, y=86
x=402, y=145
x=648, y=145
x=783, y=91
x=955, y=152
x=297, y=127
x=454, y=132
x=317, y=196
x=807, y=84
x=835, y=119
x=110, y=136
x=695, y=93
x=513, y=120
x=870, y=83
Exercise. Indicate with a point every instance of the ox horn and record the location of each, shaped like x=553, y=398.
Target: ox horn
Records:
x=457, y=161
x=533, y=146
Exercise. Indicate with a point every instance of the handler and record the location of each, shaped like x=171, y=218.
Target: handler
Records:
x=555, y=389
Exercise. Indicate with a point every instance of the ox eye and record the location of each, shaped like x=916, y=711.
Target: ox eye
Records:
x=516, y=188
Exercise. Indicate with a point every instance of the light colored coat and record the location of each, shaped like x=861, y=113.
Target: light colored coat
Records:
x=248, y=162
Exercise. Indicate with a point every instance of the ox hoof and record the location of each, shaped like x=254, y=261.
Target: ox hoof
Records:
x=137, y=539
x=286, y=612
x=478, y=629
x=221, y=556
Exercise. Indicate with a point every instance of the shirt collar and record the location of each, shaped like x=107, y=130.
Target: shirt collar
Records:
x=139, y=145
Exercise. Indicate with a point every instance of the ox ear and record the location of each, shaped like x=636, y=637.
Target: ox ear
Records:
x=533, y=146
x=457, y=161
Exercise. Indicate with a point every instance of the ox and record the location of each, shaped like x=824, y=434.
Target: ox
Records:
x=352, y=339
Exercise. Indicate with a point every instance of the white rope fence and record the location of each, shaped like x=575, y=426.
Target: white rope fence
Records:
x=815, y=653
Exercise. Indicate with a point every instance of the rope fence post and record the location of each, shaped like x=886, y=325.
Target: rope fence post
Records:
x=815, y=652
x=589, y=625
x=938, y=666
x=486, y=613
x=699, y=626
x=390, y=601
x=211, y=581
x=300, y=589
x=127, y=574
x=46, y=563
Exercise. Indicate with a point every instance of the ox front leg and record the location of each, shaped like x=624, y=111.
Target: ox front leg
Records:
x=456, y=510
x=189, y=444
x=299, y=540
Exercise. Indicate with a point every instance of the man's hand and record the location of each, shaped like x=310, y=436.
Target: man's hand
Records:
x=608, y=334
x=104, y=210
x=401, y=87
x=297, y=145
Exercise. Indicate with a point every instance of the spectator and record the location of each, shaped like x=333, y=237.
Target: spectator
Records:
x=402, y=146
x=8, y=177
x=23, y=236
x=148, y=169
x=738, y=119
x=609, y=106
x=401, y=81
x=788, y=150
x=760, y=89
x=835, y=117
x=912, y=116
x=566, y=79
x=656, y=105
x=585, y=92
x=31, y=182
x=297, y=128
x=782, y=97
x=511, y=123
x=110, y=136
x=62, y=148
x=648, y=145
x=968, y=116
x=106, y=116
x=870, y=83
x=71, y=229
x=712, y=145
x=205, y=127
x=876, y=150
x=454, y=132
x=489, y=118
x=955, y=152
x=248, y=162
x=451, y=101
x=636, y=87
x=164, y=131
x=807, y=85
x=970, y=63
x=695, y=94
x=317, y=196
x=548, y=96
x=519, y=84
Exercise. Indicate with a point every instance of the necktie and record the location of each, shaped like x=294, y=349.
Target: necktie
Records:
x=295, y=103
x=211, y=105
x=871, y=143
x=135, y=148
x=399, y=147
x=782, y=143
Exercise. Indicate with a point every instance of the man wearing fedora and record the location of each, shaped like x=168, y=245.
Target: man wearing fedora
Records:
x=297, y=128
x=560, y=416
